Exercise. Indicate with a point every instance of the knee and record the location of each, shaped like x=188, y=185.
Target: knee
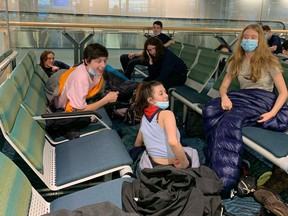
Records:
x=124, y=57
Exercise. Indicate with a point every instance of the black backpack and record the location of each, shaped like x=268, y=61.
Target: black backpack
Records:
x=194, y=126
x=115, y=81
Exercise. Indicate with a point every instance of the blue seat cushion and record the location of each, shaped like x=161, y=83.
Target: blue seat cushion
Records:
x=89, y=155
x=274, y=142
x=191, y=94
x=107, y=191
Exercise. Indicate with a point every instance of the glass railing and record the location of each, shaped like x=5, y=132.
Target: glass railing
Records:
x=123, y=34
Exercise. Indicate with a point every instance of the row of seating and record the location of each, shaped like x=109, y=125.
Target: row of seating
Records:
x=192, y=96
x=22, y=102
x=59, y=166
x=202, y=66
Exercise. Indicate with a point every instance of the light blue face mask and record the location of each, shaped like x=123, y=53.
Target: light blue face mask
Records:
x=249, y=45
x=92, y=72
x=162, y=104
x=266, y=36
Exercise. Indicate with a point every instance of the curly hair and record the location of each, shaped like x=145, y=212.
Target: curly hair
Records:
x=160, y=49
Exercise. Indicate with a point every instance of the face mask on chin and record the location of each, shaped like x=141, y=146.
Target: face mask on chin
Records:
x=162, y=104
x=92, y=72
x=249, y=45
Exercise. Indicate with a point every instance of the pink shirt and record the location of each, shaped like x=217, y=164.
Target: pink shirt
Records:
x=76, y=88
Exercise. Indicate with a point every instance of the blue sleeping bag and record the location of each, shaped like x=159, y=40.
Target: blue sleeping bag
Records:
x=223, y=130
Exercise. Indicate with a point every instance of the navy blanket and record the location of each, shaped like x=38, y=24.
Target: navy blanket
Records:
x=224, y=130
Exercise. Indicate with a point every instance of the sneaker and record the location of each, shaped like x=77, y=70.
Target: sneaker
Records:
x=271, y=201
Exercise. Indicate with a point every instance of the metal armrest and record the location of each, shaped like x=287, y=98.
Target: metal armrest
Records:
x=59, y=115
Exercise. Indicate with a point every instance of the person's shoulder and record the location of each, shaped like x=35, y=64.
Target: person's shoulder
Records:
x=57, y=62
x=164, y=37
x=276, y=37
x=167, y=113
x=61, y=64
x=80, y=71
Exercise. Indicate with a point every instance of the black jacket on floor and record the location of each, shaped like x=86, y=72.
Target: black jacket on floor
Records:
x=166, y=190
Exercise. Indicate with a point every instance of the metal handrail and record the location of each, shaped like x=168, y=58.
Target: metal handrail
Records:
x=123, y=27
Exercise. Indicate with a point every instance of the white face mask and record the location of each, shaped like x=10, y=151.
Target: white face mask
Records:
x=92, y=72
x=162, y=104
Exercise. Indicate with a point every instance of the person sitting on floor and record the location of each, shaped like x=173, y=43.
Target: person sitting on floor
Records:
x=49, y=64
x=158, y=131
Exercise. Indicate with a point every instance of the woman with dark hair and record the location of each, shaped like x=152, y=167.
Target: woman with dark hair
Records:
x=49, y=64
x=163, y=65
x=158, y=131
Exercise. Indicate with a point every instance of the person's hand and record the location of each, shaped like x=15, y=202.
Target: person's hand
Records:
x=177, y=163
x=150, y=59
x=55, y=68
x=111, y=97
x=131, y=55
x=264, y=117
x=226, y=103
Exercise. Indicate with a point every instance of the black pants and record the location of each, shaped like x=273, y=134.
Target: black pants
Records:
x=174, y=80
x=129, y=64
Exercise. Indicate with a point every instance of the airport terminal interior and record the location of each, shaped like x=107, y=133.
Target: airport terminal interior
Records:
x=122, y=26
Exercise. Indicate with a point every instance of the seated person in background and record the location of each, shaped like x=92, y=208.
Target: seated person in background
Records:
x=128, y=61
x=223, y=48
x=83, y=82
x=274, y=41
x=163, y=65
x=284, y=55
x=222, y=63
x=50, y=65
x=158, y=131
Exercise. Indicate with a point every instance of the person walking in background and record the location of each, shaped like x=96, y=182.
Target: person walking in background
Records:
x=49, y=64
